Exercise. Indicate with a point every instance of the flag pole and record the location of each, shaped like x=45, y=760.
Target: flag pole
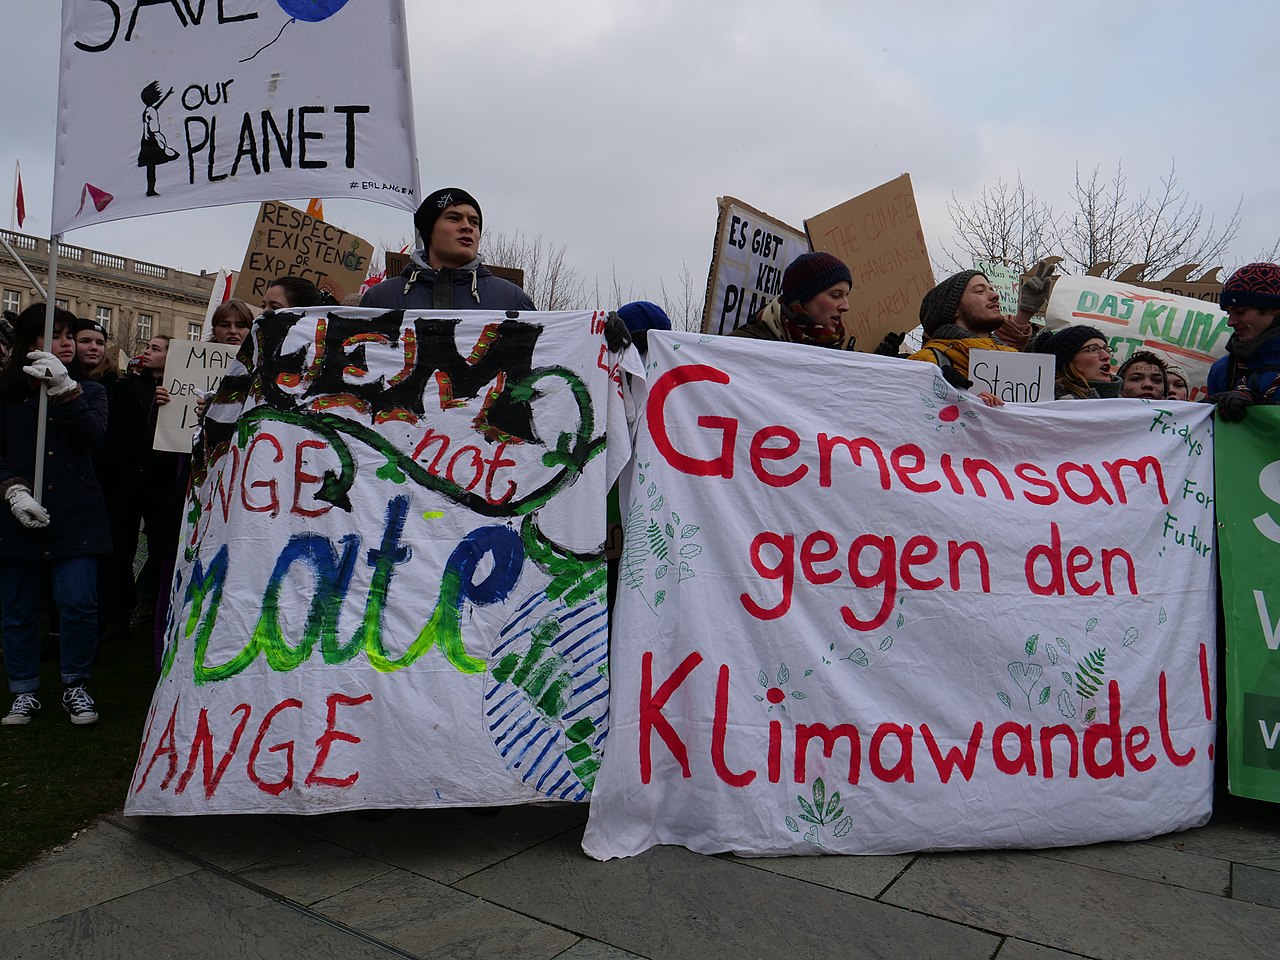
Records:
x=42, y=411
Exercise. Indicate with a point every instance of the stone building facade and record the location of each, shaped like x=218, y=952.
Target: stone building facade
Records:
x=133, y=299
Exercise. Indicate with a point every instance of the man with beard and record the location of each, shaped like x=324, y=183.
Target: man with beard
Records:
x=1250, y=372
x=960, y=314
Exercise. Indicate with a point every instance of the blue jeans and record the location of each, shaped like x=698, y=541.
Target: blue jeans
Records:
x=75, y=585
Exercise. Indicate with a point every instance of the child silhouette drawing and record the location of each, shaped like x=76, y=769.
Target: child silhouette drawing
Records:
x=154, y=149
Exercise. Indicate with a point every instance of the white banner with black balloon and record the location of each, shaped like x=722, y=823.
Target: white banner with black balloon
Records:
x=176, y=106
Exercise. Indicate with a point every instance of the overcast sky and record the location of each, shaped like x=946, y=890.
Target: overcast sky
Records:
x=611, y=126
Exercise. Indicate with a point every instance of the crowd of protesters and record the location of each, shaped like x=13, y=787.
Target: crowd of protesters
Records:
x=104, y=483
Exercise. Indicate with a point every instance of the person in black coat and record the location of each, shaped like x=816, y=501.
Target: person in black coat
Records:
x=65, y=529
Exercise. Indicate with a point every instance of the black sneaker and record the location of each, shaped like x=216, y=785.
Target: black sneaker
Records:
x=25, y=706
x=77, y=702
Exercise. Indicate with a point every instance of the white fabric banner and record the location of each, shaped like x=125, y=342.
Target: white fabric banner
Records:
x=1191, y=333
x=174, y=106
x=391, y=581
x=860, y=612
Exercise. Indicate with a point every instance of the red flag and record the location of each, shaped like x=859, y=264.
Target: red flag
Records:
x=99, y=197
x=316, y=209
x=20, y=201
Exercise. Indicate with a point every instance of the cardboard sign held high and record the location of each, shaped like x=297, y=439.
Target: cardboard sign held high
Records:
x=286, y=242
x=878, y=235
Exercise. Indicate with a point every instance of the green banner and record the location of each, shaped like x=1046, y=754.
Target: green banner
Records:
x=1247, y=481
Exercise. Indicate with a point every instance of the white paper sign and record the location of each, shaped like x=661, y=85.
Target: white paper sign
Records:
x=1013, y=377
x=192, y=366
x=1192, y=333
x=174, y=106
x=1004, y=279
x=752, y=251
x=882, y=617
x=391, y=584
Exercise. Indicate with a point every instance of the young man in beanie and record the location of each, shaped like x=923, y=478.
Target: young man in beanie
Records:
x=814, y=299
x=1250, y=372
x=446, y=273
x=960, y=314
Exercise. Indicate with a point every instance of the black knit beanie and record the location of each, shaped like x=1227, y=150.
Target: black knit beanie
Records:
x=940, y=304
x=1064, y=344
x=811, y=273
x=431, y=208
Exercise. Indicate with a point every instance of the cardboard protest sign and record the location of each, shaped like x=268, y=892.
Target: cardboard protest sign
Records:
x=390, y=590
x=1191, y=333
x=1005, y=279
x=1248, y=503
x=288, y=242
x=878, y=234
x=1013, y=377
x=192, y=366
x=883, y=617
x=752, y=250
x=168, y=106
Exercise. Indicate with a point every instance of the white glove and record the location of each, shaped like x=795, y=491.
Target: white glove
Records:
x=25, y=509
x=45, y=366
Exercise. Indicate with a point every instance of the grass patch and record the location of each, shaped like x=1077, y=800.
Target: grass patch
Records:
x=56, y=778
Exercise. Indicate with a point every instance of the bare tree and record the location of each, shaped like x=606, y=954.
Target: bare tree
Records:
x=1163, y=228
x=549, y=280
x=1104, y=223
x=1007, y=223
x=685, y=307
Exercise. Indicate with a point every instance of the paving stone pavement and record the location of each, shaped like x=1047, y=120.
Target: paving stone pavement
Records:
x=449, y=883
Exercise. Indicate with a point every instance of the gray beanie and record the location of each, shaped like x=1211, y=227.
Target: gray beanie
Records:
x=940, y=304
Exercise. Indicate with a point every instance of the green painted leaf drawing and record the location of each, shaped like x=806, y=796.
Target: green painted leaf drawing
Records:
x=1044, y=696
x=939, y=388
x=1091, y=625
x=653, y=488
x=1063, y=645
x=631, y=564
x=1163, y=616
x=1051, y=652
x=886, y=643
x=1030, y=645
x=1066, y=706
x=686, y=572
x=797, y=694
x=901, y=620
x=1130, y=637
x=660, y=572
x=792, y=825
x=843, y=827
x=657, y=542
x=1090, y=714
x=819, y=795
x=675, y=518
x=1066, y=678
x=669, y=530
x=659, y=597
x=1004, y=698
x=689, y=530
x=657, y=504
x=1090, y=672
x=808, y=673
x=690, y=550
x=759, y=699
x=783, y=674
x=763, y=678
